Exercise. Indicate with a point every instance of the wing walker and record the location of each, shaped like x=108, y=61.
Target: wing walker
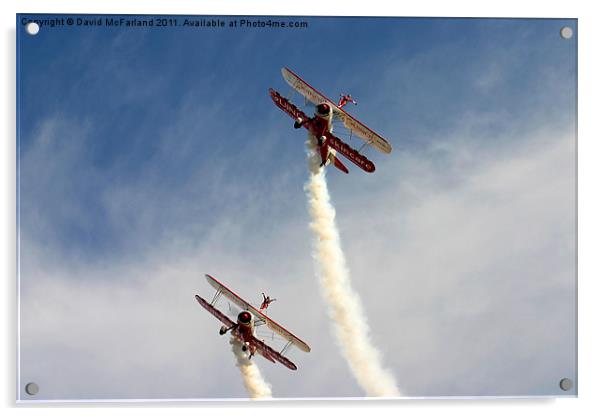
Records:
x=247, y=320
x=321, y=125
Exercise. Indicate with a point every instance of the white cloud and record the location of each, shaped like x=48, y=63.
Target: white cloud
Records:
x=475, y=268
x=466, y=273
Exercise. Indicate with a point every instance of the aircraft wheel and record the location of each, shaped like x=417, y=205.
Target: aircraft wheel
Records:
x=244, y=348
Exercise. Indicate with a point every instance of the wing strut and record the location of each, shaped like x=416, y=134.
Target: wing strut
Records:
x=286, y=347
x=364, y=145
x=215, y=298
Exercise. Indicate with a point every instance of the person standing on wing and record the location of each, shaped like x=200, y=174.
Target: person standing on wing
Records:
x=266, y=302
x=346, y=99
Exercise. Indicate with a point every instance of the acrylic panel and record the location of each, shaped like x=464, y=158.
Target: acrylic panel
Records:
x=404, y=188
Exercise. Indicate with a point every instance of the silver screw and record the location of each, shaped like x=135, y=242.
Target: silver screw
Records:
x=566, y=384
x=566, y=32
x=32, y=28
x=32, y=389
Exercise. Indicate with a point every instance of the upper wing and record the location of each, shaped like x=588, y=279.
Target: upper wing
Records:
x=270, y=354
x=316, y=97
x=286, y=334
x=213, y=311
x=233, y=297
x=304, y=88
x=243, y=304
x=363, y=132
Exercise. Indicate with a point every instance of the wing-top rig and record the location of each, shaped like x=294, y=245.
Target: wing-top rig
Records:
x=248, y=319
x=320, y=126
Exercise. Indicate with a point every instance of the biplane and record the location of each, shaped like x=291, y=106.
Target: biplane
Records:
x=321, y=125
x=247, y=320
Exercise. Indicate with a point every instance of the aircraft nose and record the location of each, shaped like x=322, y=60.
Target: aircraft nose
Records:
x=323, y=109
x=244, y=317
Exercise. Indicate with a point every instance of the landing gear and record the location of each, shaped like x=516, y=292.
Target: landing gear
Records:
x=298, y=123
x=321, y=140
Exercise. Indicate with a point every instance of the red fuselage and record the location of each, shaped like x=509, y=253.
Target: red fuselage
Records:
x=244, y=330
x=318, y=126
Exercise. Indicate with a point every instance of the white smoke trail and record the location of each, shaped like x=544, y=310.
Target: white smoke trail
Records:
x=251, y=376
x=350, y=325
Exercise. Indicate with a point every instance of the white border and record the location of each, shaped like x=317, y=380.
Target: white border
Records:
x=590, y=207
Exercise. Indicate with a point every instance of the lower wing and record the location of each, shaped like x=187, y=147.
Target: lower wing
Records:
x=350, y=153
x=269, y=353
x=286, y=106
x=213, y=311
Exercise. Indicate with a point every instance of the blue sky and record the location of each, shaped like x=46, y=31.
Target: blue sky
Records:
x=148, y=157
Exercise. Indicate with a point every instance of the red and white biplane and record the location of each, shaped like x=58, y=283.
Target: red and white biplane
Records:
x=320, y=126
x=244, y=328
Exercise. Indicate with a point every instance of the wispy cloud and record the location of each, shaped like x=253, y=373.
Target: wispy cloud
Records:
x=461, y=244
x=477, y=253
x=477, y=265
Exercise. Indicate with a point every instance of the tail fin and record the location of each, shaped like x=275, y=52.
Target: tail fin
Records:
x=340, y=164
x=324, y=153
